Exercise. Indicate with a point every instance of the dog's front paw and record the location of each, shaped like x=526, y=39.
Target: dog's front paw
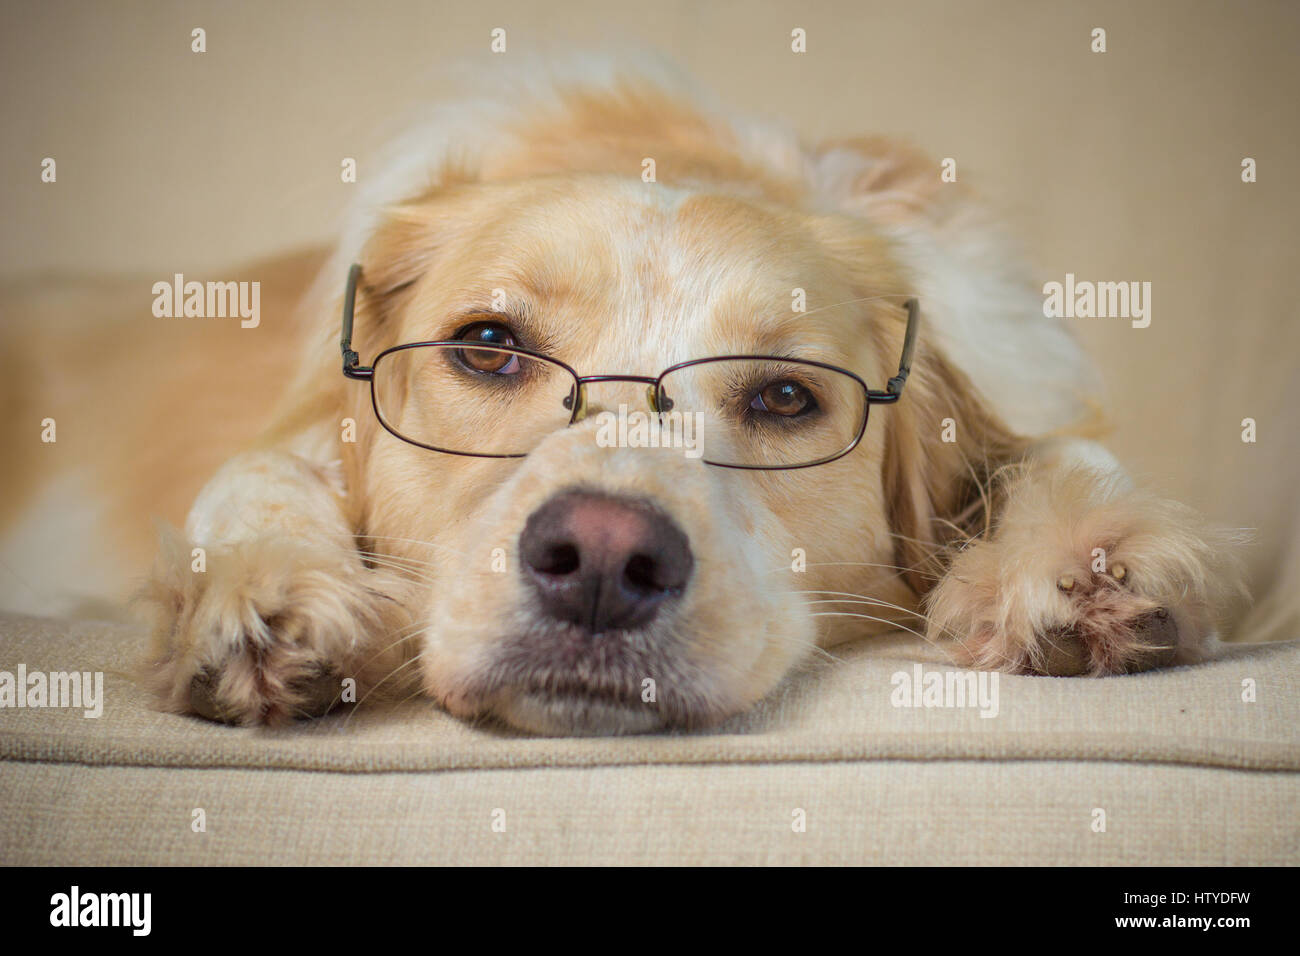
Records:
x=1080, y=577
x=267, y=631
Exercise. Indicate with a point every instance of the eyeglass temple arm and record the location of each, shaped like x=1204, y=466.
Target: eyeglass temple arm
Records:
x=352, y=367
x=894, y=387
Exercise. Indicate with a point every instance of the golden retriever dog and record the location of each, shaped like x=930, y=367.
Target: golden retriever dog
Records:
x=609, y=409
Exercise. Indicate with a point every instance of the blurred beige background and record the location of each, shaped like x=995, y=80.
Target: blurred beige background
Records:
x=1116, y=166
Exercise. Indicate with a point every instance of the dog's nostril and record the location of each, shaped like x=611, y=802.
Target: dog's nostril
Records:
x=561, y=559
x=641, y=573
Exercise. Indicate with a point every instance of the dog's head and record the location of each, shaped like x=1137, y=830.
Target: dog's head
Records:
x=613, y=576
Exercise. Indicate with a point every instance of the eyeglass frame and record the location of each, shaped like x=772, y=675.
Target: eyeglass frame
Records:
x=891, y=393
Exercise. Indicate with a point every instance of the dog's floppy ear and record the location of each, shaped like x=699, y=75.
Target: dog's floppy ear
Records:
x=403, y=247
x=880, y=179
x=404, y=242
x=943, y=447
x=943, y=441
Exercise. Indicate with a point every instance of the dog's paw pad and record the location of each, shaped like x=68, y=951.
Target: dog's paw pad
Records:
x=1148, y=641
x=203, y=699
x=225, y=696
x=1105, y=627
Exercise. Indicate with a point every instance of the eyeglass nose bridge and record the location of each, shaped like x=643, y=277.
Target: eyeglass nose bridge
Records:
x=580, y=411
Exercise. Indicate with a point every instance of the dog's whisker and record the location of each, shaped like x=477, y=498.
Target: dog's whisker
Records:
x=409, y=697
x=393, y=561
x=905, y=537
x=865, y=599
x=942, y=630
x=868, y=617
x=415, y=631
x=405, y=559
x=413, y=573
x=814, y=647
x=846, y=564
x=872, y=601
x=377, y=684
x=384, y=537
x=933, y=556
x=396, y=557
x=409, y=632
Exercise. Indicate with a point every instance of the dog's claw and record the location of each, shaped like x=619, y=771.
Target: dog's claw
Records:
x=1065, y=582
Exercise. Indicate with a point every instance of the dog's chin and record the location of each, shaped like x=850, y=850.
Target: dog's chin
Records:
x=560, y=681
x=574, y=715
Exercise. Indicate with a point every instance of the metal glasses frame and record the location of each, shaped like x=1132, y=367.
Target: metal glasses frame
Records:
x=658, y=400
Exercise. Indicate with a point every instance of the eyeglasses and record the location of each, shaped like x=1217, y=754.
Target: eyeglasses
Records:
x=487, y=400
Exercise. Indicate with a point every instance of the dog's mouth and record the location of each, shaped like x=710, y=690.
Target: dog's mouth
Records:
x=571, y=683
x=573, y=707
x=576, y=711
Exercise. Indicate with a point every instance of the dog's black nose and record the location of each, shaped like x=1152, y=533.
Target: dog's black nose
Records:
x=603, y=562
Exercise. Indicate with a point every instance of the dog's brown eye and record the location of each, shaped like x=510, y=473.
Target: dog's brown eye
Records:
x=787, y=399
x=490, y=361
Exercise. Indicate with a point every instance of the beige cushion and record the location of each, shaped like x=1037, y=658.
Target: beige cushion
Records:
x=1185, y=771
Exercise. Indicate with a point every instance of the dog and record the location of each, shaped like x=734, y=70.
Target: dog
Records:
x=611, y=408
